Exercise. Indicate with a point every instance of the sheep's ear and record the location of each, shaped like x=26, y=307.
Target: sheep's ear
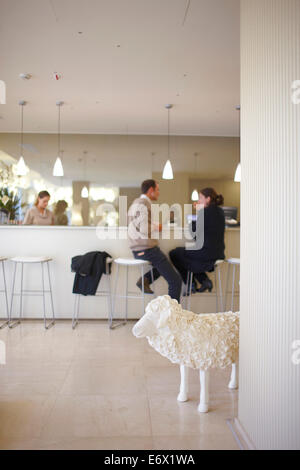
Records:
x=162, y=322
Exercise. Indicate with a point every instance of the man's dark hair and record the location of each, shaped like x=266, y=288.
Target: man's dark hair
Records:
x=147, y=184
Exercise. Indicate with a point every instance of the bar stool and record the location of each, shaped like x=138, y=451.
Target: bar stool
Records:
x=29, y=260
x=99, y=293
x=127, y=263
x=189, y=282
x=234, y=262
x=4, y=291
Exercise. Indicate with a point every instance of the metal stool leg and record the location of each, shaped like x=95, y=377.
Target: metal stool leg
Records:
x=6, y=323
x=227, y=285
x=220, y=289
x=51, y=297
x=233, y=282
x=115, y=292
x=216, y=287
x=75, y=311
x=109, y=300
x=152, y=281
x=126, y=300
x=143, y=290
x=21, y=293
x=187, y=290
x=44, y=300
x=112, y=326
x=189, y=299
x=12, y=325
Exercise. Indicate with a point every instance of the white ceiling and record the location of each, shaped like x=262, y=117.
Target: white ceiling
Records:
x=164, y=57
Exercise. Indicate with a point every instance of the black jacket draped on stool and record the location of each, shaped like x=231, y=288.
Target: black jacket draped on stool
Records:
x=89, y=269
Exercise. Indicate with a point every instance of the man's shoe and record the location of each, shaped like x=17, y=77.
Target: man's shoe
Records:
x=206, y=285
x=147, y=288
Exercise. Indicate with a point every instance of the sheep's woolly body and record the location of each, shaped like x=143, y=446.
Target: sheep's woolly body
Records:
x=198, y=341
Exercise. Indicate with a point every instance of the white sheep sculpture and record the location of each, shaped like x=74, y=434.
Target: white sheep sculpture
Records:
x=198, y=341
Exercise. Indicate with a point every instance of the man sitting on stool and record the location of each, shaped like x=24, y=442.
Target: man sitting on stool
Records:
x=143, y=246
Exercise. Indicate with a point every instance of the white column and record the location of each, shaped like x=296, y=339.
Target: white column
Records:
x=269, y=396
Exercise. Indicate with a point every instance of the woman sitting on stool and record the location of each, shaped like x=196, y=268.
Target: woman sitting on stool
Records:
x=202, y=260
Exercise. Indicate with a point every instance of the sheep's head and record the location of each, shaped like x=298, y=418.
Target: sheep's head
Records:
x=155, y=318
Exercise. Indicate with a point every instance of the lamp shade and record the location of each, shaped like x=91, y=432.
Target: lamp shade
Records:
x=58, y=168
x=22, y=169
x=238, y=174
x=84, y=192
x=195, y=195
x=168, y=171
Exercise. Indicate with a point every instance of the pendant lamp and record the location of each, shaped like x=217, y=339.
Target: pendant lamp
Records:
x=58, y=169
x=21, y=169
x=195, y=194
x=238, y=171
x=84, y=191
x=168, y=171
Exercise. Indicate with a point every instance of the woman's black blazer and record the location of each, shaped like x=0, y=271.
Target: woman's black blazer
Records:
x=214, y=228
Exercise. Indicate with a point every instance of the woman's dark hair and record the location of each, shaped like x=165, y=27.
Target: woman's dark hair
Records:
x=41, y=195
x=215, y=198
x=147, y=184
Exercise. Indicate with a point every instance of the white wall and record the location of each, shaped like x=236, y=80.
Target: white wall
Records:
x=269, y=397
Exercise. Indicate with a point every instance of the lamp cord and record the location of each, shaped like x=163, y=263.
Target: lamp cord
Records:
x=239, y=110
x=168, y=134
x=22, y=129
x=58, y=132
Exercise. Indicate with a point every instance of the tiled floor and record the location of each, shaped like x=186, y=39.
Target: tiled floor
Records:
x=94, y=388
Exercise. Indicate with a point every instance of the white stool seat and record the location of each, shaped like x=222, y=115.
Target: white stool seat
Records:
x=131, y=262
x=232, y=264
x=31, y=259
x=20, y=262
x=2, y=258
x=218, y=262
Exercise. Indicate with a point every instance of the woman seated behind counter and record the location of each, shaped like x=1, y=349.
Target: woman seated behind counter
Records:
x=39, y=214
x=202, y=260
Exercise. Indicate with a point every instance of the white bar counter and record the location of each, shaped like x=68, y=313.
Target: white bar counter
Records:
x=63, y=242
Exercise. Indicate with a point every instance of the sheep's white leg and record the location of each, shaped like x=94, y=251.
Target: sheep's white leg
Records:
x=204, y=391
x=233, y=384
x=184, y=384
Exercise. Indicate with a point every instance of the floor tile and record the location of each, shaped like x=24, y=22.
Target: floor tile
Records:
x=96, y=388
